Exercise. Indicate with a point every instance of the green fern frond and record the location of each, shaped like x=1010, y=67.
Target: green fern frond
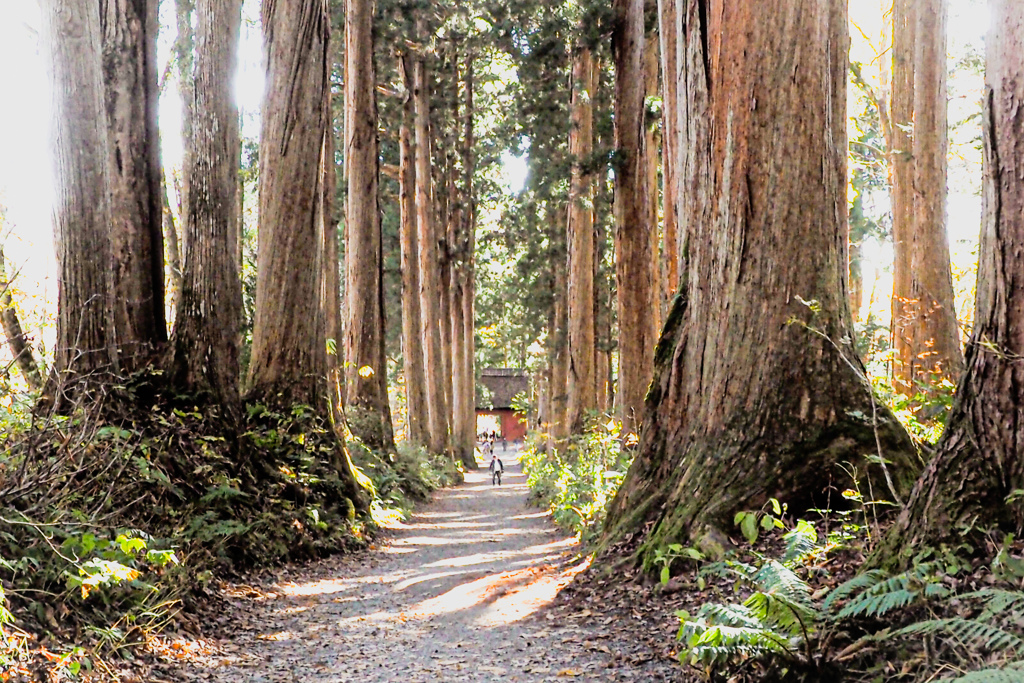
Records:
x=801, y=543
x=1013, y=673
x=793, y=619
x=739, y=616
x=868, y=579
x=969, y=631
x=892, y=593
x=873, y=604
x=719, y=644
x=997, y=601
x=729, y=569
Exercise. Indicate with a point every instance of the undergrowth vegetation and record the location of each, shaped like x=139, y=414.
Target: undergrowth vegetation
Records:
x=117, y=514
x=576, y=479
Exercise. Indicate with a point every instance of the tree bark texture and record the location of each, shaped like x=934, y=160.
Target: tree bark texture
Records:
x=17, y=340
x=758, y=394
x=131, y=92
x=558, y=332
x=582, y=383
x=931, y=324
x=417, y=419
x=667, y=17
x=172, y=250
x=430, y=276
x=366, y=397
x=289, y=361
x=979, y=462
x=333, y=322
x=85, y=346
x=469, y=265
x=184, y=55
x=209, y=311
x=633, y=244
x=652, y=153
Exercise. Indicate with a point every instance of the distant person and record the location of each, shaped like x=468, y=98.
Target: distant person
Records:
x=496, y=469
x=504, y=444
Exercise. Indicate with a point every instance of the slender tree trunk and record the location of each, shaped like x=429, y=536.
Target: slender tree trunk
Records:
x=934, y=333
x=430, y=278
x=652, y=146
x=85, y=347
x=132, y=98
x=637, y=334
x=582, y=385
x=758, y=394
x=209, y=311
x=558, y=327
x=366, y=404
x=184, y=56
x=667, y=17
x=904, y=17
x=417, y=419
x=17, y=340
x=978, y=467
x=333, y=321
x=171, y=248
x=469, y=274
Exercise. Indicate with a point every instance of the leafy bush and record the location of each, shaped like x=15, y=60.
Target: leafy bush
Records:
x=579, y=480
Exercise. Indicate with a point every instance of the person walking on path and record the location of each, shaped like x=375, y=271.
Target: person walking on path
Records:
x=496, y=469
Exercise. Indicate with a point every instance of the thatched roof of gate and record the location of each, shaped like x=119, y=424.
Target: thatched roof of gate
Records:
x=503, y=384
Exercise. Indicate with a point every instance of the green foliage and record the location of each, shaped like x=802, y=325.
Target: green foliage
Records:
x=783, y=623
x=577, y=481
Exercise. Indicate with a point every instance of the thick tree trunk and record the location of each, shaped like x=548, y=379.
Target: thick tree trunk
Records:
x=970, y=483
x=430, y=278
x=582, y=384
x=209, y=311
x=132, y=98
x=757, y=391
x=289, y=363
x=933, y=331
x=17, y=341
x=652, y=152
x=366, y=396
x=417, y=419
x=85, y=347
x=633, y=243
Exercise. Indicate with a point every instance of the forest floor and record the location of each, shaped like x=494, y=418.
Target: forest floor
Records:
x=469, y=589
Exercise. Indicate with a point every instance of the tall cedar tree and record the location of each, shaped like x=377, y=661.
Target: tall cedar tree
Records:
x=756, y=393
x=289, y=361
x=132, y=99
x=366, y=396
x=669, y=146
x=430, y=277
x=85, y=346
x=924, y=325
x=633, y=243
x=209, y=309
x=417, y=420
x=582, y=384
x=973, y=481
x=466, y=436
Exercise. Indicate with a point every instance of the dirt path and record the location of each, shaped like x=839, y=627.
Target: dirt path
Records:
x=455, y=594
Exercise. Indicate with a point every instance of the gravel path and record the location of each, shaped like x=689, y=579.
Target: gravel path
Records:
x=456, y=594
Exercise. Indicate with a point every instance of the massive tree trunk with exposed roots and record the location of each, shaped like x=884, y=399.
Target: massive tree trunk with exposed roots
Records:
x=758, y=391
x=972, y=483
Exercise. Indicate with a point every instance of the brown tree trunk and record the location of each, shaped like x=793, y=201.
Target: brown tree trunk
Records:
x=933, y=330
x=430, y=278
x=21, y=347
x=289, y=361
x=366, y=396
x=652, y=150
x=85, y=347
x=333, y=322
x=132, y=98
x=171, y=248
x=758, y=394
x=979, y=462
x=582, y=384
x=904, y=17
x=667, y=17
x=469, y=265
x=417, y=419
x=209, y=311
x=633, y=244
x=184, y=57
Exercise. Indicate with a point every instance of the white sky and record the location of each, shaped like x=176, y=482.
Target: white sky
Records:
x=24, y=118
